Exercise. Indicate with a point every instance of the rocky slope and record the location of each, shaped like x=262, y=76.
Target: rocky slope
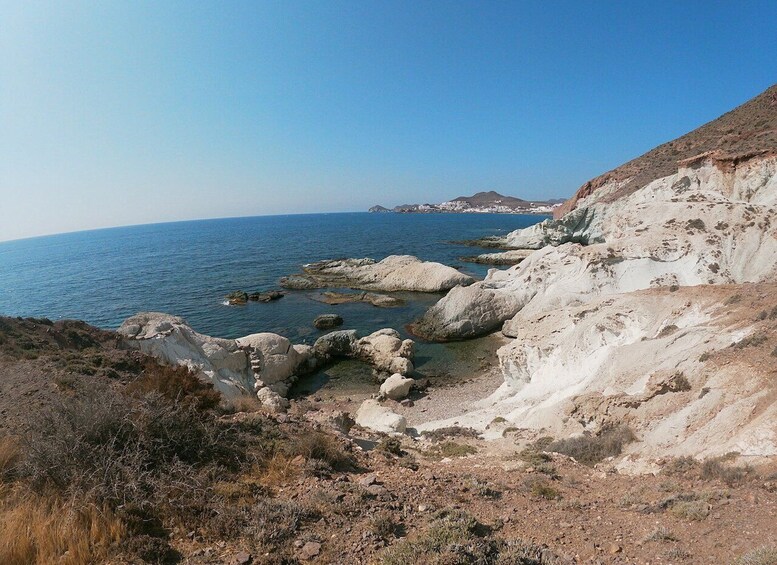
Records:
x=645, y=251
x=746, y=131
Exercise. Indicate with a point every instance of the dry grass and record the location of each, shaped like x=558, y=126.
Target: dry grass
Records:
x=36, y=529
x=9, y=458
x=279, y=470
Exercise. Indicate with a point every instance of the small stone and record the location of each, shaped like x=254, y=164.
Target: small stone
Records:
x=242, y=558
x=310, y=550
x=614, y=548
x=423, y=508
x=368, y=480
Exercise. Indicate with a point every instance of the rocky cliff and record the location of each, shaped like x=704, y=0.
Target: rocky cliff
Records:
x=624, y=293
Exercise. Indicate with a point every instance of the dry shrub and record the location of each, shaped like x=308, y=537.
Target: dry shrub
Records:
x=761, y=556
x=115, y=449
x=175, y=383
x=36, y=529
x=321, y=447
x=591, y=449
x=451, y=431
x=716, y=468
x=382, y=525
x=696, y=510
x=243, y=403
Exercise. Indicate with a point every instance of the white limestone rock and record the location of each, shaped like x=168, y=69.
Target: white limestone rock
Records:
x=173, y=341
x=394, y=273
x=702, y=225
x=376, y=417
x=386, y=351
x=396, y=387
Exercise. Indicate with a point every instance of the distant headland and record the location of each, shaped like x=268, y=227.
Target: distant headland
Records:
x=490, y=202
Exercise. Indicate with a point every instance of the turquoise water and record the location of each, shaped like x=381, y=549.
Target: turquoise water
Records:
x=186, y=268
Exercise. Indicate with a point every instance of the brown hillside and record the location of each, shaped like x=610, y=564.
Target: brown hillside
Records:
x=744, y=131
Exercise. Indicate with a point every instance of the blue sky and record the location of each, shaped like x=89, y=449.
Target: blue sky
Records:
x=135, y=112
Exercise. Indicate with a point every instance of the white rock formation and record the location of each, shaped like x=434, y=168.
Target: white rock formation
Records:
x=703, y=225
x=265, y=362
x=684, y=369
x=386, y=351
x=394, y=273
x=383, y=349
x=396, y=387
x=624, y=314
x=172, y=340
x=376, y=417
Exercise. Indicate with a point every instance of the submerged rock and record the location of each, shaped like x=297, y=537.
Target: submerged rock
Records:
x=327, y=321
x=240, y=297
x=267, y=296
x=394, y=273
x=237, y=297
x=379, y=300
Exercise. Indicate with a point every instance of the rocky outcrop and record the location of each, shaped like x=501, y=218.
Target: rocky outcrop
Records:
x=170, y=339
x=394, y=273
x=327, y=321
x=264, y=362
x=687, y=370
x=703, y=225
x=467, y=312
x=749, y=131
x=503, y=258
x=383, y=349
x=372, y=415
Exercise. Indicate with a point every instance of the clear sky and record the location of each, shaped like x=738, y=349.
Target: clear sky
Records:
x=115, y=113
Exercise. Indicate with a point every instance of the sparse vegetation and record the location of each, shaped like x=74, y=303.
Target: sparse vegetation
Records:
x=452, y=431
x=382, y=525
x=454, y=537
x=753, y=340
x=661, y=534
x=450, y=449
x=695, y=510
x=591, y=449
x=766, y=555
x=717, y=469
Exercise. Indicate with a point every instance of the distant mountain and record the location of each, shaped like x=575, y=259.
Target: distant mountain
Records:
x=490, y=202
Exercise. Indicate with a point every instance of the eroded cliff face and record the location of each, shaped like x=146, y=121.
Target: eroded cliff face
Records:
x=690, y=371
x=649, y=303
x=709, y=223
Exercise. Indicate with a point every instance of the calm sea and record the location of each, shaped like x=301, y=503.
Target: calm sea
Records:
x=187, y=268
